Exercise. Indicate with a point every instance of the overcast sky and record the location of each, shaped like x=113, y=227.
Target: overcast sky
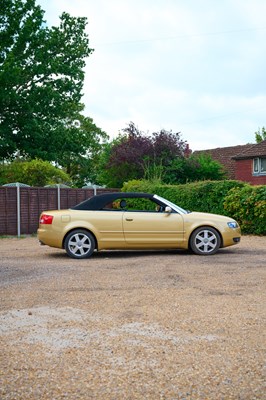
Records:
x=190, y=66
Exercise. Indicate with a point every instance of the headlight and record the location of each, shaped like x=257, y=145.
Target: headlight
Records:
x=232, y=224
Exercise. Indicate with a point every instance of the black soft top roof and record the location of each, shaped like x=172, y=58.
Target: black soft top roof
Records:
x=100, y=201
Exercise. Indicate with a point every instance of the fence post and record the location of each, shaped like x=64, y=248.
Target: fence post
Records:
x=58, y=197
x=18, y=208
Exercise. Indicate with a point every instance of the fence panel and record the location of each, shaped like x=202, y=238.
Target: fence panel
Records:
x=8, y=211
x=34, y=200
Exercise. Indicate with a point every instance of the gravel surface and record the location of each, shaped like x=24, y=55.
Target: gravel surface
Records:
x=132, y=325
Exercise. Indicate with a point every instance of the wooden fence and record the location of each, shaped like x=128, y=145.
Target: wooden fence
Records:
x=20, y=207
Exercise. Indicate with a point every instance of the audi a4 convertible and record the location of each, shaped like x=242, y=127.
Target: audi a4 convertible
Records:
x=134, y=221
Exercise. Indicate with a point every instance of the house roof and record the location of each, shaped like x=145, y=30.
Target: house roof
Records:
x=256, y=150
x=224, y=155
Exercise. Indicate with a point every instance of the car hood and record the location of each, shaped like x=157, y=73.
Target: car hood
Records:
x=200, y=216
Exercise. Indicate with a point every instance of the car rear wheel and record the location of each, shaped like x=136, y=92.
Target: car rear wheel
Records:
x=205, y=241
x=79, y=244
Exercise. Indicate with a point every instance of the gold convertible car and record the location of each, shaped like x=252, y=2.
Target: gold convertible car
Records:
x=134, y=221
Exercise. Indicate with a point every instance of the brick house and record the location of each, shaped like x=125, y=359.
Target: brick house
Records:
x=244, y=162
x=251, y=164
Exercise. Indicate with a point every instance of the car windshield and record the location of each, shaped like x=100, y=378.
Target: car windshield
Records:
x=172, y=205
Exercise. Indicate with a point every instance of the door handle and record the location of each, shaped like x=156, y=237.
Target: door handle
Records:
x=129, y=219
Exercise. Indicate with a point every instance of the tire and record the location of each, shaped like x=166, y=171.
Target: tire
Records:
x=205, y=241
x=79, y=244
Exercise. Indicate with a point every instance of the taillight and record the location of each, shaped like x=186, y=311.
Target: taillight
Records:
x=46, y=219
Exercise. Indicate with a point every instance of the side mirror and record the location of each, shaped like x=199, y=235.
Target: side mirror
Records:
x=168, y=210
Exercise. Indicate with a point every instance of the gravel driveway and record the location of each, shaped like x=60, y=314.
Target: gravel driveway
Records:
x=132, y=325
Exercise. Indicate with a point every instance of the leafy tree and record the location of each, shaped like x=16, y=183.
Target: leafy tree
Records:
x=33, y=173
x=194, y=168
x=80, y=150
x=206, y=168
x=104, y=175
x=168, y=145
x=260, y=135
x=41, y=79
x=161, y=157
x=135, y=155
x=129, y=153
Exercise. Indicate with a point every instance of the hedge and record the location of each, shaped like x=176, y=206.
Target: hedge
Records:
x=243, y=202
x=248, y=206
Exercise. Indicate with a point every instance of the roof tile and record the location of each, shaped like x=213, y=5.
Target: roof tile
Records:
x=257, y=150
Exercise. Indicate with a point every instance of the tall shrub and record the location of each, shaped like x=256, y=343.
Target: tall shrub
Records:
x=205, y=196
x=248, y=206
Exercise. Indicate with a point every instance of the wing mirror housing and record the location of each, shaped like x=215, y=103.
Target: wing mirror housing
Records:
x=168, y=210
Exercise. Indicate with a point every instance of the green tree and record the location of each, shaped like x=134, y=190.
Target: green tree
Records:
x=41, y=79
x=33, y=173
x=194, y=168
x=160, y=157
x=112, y=170
x=80, y=150
x=135, y=155
x=260, y=135
x=104, y=174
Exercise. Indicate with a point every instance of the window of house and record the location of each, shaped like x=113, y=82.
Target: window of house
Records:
x=256, y=165
x=263, y=165
x=259, y=166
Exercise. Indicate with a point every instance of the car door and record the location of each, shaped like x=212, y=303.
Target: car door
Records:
x=153, y=229
x=107, y=227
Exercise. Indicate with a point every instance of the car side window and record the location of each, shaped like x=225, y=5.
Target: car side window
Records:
x=116, y=205
x=141, y=205
x=134, y=204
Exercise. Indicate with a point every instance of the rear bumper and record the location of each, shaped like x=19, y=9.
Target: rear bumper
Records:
x=49, y=237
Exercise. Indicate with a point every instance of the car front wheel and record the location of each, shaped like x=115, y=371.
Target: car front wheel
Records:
x=79, y=244
x=205, y=241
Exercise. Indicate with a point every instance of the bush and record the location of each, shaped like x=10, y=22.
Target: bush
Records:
x=205, y=196
x=34, y=173
x=248, y=206
x=241, y=201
